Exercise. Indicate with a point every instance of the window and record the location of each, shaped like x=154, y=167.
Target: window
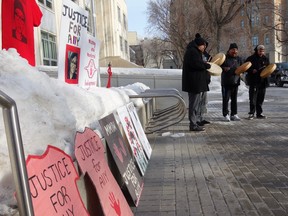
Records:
x=119, y=14
x=47, y=3
x=242, y=23
x=255, y=40
x=121, y=43
x=124, y=22
x=266, y=18
x=90, y=21
x=49, y=49
x=126, y=47
x=267, y=39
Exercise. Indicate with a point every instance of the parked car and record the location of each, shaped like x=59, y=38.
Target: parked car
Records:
x=280, y=75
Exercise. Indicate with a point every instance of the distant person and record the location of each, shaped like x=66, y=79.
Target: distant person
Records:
x=72, y=66
x=18, y=32
x=194, y=80
x=257, y=84
x=230, y=82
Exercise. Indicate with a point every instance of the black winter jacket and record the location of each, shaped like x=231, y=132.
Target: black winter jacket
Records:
x=229, y=78
x=194, y=73
x=258, y=63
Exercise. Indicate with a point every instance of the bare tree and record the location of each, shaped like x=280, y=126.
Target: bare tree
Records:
x=220, y=13
x=175, y=22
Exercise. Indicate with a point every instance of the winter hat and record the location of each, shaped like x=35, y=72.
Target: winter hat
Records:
x=199, y=40
x=259, y=47
x=233, y=46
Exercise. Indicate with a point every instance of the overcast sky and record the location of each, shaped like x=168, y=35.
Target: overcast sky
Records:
x=137, y=18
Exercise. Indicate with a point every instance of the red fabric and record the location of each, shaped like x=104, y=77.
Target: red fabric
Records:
x=18, y=19
x=109, y=77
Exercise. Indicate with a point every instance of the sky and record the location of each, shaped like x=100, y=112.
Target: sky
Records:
x=137, y=18
x=52, y=111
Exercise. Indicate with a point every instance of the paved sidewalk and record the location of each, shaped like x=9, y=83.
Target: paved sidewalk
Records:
x=233, y=168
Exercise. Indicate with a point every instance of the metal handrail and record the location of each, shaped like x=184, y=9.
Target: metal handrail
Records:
x=16, y=154
x=166, y=117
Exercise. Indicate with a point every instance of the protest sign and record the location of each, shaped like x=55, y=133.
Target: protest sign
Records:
x=122, y=157
x=89, y=152
x=139, y=129
x=52, y=180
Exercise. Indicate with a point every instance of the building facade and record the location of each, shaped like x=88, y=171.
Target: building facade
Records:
x=107, y=22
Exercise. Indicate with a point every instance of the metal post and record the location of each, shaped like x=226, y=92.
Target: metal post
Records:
x=16, y=154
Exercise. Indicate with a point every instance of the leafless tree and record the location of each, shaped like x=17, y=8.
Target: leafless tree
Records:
x=220, y=13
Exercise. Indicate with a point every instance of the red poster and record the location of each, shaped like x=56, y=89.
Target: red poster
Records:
x=72, y=62
x=18, y=19
x=89, y=152
x=52, y=180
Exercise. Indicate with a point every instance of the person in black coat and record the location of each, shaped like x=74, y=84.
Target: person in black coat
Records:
x=257, y=84
x=194, y=79
x=230, y=82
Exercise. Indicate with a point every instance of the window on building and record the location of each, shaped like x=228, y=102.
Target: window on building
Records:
x=124, y=22
x=49, y=49
x=126, y=47
x=242, y=12
x=121, y=43
x=47, y=3
x=242, y=23
x=119, y=14
x=267, y=39
x=266, y=19
x=90, y=21
x=255, y=40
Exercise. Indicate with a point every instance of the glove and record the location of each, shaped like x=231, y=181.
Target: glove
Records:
x=207, y=66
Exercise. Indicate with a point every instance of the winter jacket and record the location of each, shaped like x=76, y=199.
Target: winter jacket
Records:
x=229, y=78
x=258, y=63
x=194, y=71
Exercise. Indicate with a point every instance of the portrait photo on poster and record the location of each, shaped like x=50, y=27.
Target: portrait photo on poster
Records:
x=72, y=64
x=19, y=22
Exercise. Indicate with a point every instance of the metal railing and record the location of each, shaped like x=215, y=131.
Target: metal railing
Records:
x=16, y=154
x=165, y=117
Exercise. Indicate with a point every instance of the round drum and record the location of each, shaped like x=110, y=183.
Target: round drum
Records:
x=218, y=59
x=215, y=69
x=242, y=68
x=268, y=70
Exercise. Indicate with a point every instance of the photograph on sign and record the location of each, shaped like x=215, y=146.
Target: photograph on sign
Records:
x=139, y=129
x=125, y=163
x=52, y=180
x=72, y=64
x=132, y=138
x=90, y=154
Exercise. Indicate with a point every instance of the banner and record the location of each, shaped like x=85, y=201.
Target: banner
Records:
x=52, y=180
x=133, y=140
x=89, y=152
x=122, y=157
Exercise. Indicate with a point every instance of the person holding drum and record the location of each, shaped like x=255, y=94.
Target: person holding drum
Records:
x=257, y=84
x=194, y=80
x=230, y=82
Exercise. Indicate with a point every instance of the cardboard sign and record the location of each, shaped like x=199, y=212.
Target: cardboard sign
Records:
x=52, y=181
x=89, y=64
x=89, y=152
x=121, y=155
x=73, y=31
x=133, y=140
x=139, y=129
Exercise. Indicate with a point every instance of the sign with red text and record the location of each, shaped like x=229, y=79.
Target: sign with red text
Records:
x=89, y=64
x=139, y=129
x=52, y=180
x=73, y=31
x=89, y=152
x=133, y=140
x=122, y=157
